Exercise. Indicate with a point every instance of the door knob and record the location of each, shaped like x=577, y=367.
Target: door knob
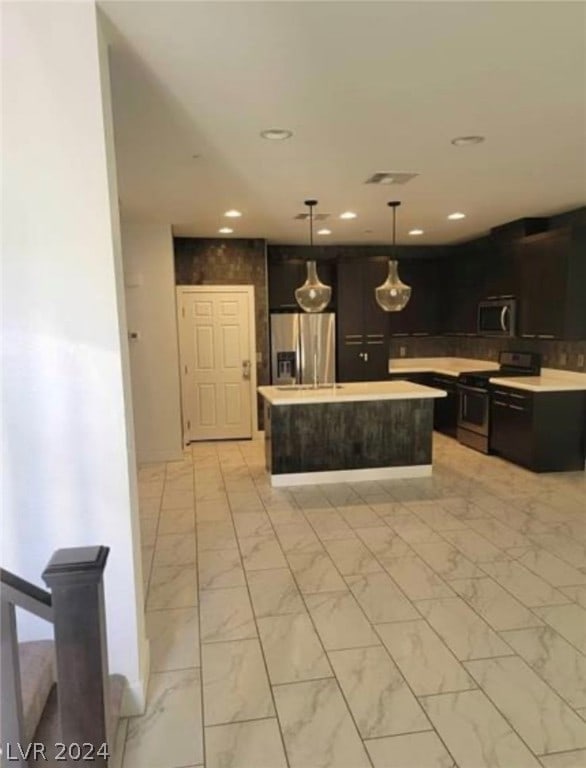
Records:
x=246, y=369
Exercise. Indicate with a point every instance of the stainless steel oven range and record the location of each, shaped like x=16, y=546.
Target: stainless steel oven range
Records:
x=474, y=396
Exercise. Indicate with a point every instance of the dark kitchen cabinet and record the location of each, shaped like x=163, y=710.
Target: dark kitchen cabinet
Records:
x=445, y=412
x=479, y=270
x=462, y=287
x=543, y=431
x=498, y=271
x=551, y=275
x=421, y=315
x=287, y=275
x=362, y=326
x=445, y=409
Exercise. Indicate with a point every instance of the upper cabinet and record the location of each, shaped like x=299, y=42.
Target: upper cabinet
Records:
x=287, y=275
x=421, y=315
x=551, y=278
x=461, y=287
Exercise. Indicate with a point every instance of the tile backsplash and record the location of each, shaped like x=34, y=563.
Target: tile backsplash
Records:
x=566, y=355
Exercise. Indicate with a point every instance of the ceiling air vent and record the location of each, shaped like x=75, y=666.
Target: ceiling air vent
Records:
x=388, y=177
x=316, y=216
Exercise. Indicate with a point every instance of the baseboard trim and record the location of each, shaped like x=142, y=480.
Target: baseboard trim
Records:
x=351, y=475
x=135, y=694
x=155, y=457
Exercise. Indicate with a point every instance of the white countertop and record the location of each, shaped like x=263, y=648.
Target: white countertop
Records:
x=550, y=380
x=349, y=392
x=445, y=366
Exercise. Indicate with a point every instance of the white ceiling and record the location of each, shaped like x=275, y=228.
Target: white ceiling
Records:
x=365, y=87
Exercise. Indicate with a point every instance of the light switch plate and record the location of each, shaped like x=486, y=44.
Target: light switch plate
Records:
x=402, y=351
x=580, y=361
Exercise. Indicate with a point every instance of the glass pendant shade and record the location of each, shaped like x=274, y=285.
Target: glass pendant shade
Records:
x=393, y=295
x=313, y=296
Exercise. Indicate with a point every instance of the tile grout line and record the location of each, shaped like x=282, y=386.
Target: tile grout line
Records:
x=258, y=636
x=320, y=641
x=200, y=638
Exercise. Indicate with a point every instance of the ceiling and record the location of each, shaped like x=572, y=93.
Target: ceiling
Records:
x=365, y=87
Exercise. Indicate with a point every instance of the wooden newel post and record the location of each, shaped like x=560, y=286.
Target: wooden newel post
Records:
x=75, y=577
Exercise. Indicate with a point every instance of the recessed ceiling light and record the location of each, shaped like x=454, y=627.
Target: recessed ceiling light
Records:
x=415, y=231
x=348, y=215
x=225, y=231
x=233, y=214
x=324, y=231
x=276, y=134
x=457, y=215
x=467, y=141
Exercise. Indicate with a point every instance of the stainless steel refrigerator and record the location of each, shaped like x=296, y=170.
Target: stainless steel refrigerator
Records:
x=303, y=344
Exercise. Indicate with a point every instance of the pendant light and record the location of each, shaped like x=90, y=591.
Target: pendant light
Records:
x=313, y=296
x=393, y=295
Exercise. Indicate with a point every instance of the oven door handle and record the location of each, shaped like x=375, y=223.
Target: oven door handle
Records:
x=504, y=313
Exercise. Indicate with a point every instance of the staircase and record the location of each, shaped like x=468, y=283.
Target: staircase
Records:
x=58, y=691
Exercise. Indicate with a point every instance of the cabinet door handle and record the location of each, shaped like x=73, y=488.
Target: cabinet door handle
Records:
x=363, y=356
x=516, y=407
x=500, y=402
x=353, y=343
x=527, y=335
x=375, y=342
x=375, y=335
x=517, y=397
x=545, y=336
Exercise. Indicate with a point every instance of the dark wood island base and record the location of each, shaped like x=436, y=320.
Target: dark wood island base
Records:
x=348, y=440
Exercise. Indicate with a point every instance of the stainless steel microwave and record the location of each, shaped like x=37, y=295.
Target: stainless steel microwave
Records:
x=497, y=317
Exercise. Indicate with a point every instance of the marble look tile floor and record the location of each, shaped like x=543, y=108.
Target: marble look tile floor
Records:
x=434, y=623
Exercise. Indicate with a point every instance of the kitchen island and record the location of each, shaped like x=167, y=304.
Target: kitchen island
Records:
x=354, y=431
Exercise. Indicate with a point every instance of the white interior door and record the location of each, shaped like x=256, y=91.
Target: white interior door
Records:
x=216, y=362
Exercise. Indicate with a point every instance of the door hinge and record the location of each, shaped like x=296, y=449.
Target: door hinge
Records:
x=185, y=368
x=182, y=311
x=188, y=425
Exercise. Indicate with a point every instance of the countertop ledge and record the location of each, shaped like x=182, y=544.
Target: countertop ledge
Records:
x=349, y=392
x=551, y=379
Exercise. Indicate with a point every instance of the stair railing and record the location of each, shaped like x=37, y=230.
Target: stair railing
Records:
x=75, y=607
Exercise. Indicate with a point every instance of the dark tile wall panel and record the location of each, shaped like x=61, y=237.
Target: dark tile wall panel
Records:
x=210, y=261
x=355, y=435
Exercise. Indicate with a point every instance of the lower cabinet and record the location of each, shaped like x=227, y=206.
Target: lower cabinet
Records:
x=543, y=431
x=445, y=409
x=445, y=415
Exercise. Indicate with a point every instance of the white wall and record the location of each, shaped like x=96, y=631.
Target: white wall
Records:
x=68, y=476
x=147, y=252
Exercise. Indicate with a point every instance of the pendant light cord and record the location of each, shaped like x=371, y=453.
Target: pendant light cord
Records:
x=311, y=226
